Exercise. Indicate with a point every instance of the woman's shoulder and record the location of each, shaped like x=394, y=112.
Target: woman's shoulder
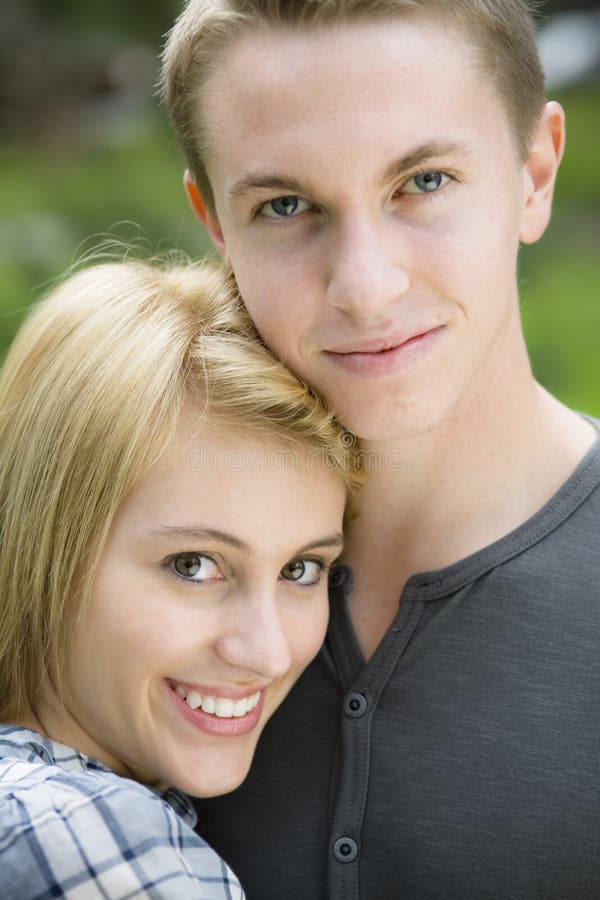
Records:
x=42, y=775
x=64, y=828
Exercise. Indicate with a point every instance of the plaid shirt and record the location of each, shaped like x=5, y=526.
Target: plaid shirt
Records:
x=69, y=827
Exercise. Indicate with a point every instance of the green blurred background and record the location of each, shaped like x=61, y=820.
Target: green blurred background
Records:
x=85, y=153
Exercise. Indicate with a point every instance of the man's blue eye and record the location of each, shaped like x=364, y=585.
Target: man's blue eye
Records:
x=428, y=181
x=284, y=207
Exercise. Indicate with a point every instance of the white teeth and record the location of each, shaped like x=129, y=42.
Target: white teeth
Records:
x=208, y=705
x=194, y=699
x=222, y=707
x=240, y=708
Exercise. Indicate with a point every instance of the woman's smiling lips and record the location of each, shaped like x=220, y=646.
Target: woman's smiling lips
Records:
x=217, y=710
x=385, y=355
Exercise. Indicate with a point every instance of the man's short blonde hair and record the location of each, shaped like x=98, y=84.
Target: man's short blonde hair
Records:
x=90, y=395
x=502, y=33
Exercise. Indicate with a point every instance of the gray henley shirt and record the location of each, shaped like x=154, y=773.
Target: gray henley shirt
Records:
x=463, y=761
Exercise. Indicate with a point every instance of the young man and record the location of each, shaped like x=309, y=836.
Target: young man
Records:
x=369, y=168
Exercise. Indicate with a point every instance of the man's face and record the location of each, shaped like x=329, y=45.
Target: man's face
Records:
x=369, y=197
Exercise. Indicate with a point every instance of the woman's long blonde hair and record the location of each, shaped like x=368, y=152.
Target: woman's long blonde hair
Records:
x=90, y=396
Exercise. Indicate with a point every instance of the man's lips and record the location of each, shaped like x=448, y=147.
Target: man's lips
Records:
x=383, y=356
x=380, y=344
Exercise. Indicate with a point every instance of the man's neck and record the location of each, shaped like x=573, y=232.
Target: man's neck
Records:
x=449, y=493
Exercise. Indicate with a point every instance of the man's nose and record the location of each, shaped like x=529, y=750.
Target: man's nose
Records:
x=367, y=266
x=256, y=640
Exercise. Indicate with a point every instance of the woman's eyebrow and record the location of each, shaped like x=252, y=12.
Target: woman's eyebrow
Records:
x=330, y=540
x=201, y=533
x=198, y=533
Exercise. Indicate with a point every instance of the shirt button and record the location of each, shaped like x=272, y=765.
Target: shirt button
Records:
x=337, y=577
x=355, y=705
x=345, y=849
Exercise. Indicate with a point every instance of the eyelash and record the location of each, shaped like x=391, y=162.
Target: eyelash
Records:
x=169, y=564
x=255, y=211
x=430, y=195
x=322, y=570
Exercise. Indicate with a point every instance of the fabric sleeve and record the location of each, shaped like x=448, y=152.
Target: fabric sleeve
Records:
x=115, y=842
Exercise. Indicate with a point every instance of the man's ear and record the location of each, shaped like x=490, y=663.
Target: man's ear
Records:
x=207, y=218
x=540, y=173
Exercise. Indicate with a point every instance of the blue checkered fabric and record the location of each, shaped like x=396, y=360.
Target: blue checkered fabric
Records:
x=69, y=827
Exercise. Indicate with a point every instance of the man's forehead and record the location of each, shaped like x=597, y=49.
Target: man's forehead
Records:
x=294, y=117
x=262, y=61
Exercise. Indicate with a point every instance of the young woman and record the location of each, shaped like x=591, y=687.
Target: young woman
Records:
x=171, y=499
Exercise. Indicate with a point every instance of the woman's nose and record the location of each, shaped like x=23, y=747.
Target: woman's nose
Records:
x=256, y=641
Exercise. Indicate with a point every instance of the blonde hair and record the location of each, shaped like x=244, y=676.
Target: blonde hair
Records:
x=90, y=396
x=502, y=32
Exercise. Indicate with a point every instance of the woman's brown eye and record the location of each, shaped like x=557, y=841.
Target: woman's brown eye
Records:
x=196, y=567
x=293, y=570
x=303, y=571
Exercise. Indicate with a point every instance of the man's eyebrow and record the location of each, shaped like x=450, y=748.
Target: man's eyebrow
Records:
x=249, y=183
x=420, y=155
x=285, y=184
x=201, y=533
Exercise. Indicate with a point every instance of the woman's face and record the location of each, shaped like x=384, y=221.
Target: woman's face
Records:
x=210, y=599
